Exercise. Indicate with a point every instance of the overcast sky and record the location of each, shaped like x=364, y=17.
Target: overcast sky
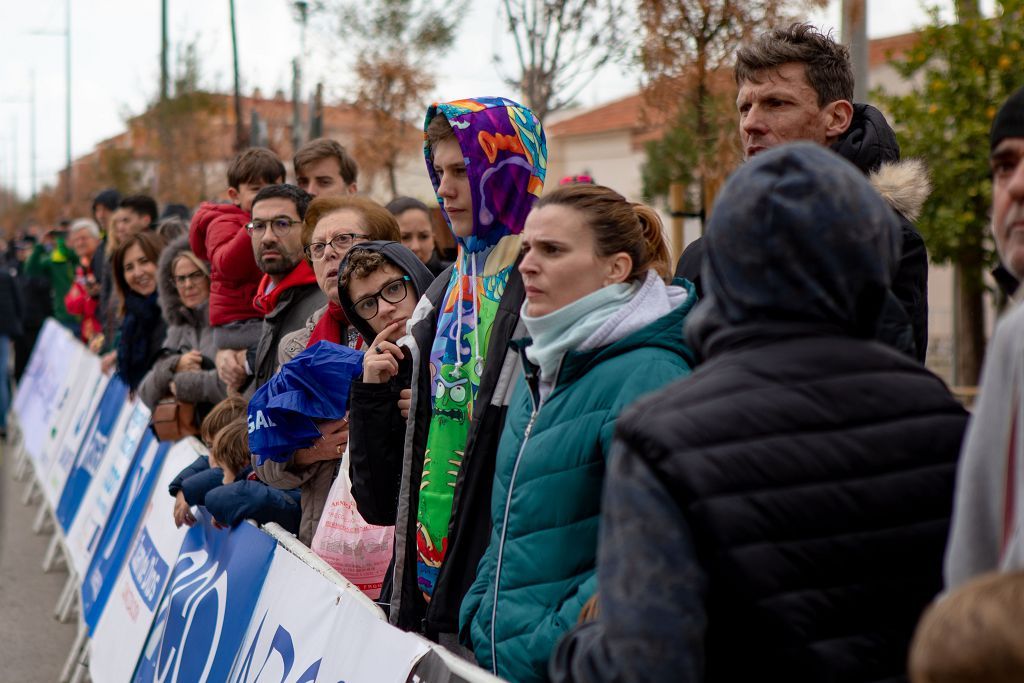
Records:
x=115, y=47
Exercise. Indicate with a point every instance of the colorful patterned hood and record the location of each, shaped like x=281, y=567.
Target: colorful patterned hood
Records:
x=506, y=161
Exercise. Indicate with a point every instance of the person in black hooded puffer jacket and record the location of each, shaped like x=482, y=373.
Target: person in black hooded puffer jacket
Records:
x=781, y=514
x=188, y=349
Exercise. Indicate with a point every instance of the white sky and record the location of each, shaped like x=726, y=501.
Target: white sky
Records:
x=115, y=63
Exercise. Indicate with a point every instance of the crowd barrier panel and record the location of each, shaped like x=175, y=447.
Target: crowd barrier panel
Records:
x=157, y=603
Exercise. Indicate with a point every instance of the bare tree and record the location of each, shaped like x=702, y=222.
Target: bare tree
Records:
x=687, y=53
x=559, y=47
x=396, y=43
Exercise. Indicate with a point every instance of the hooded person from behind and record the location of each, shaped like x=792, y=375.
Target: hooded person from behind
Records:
x=800, y=481
x=462, y=366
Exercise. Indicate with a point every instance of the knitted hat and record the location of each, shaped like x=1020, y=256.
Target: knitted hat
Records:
x=1009, y=122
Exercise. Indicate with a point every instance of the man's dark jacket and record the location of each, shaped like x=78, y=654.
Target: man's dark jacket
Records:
x=293, y=308
x=785, y=508
x=870, y=144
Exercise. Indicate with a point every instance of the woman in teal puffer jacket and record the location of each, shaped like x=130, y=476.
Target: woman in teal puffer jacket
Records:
x=604, y=329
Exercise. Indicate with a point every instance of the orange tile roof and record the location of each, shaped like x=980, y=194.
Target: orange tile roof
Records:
x=883, y=50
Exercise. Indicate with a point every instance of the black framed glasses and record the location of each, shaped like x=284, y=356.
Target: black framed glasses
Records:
x=340, y=242
x=279, y=224
x=393, y=292
x=194, y=276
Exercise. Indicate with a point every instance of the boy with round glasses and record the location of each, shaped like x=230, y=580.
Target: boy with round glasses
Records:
x=379, y=286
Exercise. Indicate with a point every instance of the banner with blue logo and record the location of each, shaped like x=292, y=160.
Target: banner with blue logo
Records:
x=66, y=443
x=293, y=625
x=116, y=465
x=93, y=448
x=208, y=604
x=125, y=518
x=121, y=628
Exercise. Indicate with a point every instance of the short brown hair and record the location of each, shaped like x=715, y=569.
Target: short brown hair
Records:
x=255, y=165
x=438, y=130
x=361, y=264
x=151, y=245
x=972, y=635
x=230, y=447
x=220, y=415
x=618, y=225
x=826, y=62
x=379, y=223
x=322, y=148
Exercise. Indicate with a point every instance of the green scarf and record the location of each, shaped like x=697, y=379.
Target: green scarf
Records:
x=564, y=330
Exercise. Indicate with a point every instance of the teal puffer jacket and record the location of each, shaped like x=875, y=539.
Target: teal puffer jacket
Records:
x=540, y=564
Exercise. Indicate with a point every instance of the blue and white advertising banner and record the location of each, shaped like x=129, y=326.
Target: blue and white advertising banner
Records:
x=125, y=518
x=120, y=631
x=366, y=649
x=111, y=414
x=293, y=625
x=38, y=360
x=208, y=605
x=38, y=408
x=66, y=447
x=116, y=464
x=67, y=402
x=71, y=427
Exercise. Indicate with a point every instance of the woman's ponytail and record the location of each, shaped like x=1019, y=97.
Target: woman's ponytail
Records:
x=655, y=247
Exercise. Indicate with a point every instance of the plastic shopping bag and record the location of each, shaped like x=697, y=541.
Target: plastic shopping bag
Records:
x=359, y=551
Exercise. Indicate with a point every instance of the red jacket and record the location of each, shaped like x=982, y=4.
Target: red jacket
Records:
x=218, y=235
x=78, y=302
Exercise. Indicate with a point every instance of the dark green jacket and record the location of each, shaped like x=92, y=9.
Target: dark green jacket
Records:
x=539, y=568
x=57, y=266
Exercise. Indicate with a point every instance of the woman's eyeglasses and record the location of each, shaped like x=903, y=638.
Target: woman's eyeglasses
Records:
x=187, y=278
x=340, y=242
x=393, y=292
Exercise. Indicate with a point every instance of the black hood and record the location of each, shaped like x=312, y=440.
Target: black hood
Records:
x=869, y=141
x=404, y=259
x=797, y=236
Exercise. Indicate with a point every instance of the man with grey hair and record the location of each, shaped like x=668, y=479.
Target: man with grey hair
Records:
x=796, y=83
x=83, y=297
x=988, y=513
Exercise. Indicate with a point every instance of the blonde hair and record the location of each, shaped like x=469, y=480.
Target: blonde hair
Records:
x=973, y=635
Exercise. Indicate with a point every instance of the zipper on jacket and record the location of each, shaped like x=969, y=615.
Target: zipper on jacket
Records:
x=532, y=382
x=501, y=544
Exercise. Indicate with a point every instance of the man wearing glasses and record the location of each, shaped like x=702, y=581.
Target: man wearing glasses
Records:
x=288, y=292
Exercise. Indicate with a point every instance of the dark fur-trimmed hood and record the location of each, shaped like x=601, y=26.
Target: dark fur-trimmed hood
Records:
x=175, y=312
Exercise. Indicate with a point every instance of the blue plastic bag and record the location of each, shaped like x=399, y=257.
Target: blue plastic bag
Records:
x=312, y=386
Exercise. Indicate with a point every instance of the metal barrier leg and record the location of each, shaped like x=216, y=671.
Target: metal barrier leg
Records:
x=74, y=657
x=71, y=604
x=21, y=469
x=41, y=523
x=53, y=555
x=67, y=596
x=30, y=493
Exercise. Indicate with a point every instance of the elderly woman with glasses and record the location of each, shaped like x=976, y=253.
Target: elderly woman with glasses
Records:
x=186, y=369
x=332, y=226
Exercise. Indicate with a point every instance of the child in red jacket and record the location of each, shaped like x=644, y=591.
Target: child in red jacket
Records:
x=218, y=235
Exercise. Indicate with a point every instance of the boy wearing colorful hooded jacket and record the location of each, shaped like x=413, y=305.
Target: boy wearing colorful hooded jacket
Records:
x=463, y=368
